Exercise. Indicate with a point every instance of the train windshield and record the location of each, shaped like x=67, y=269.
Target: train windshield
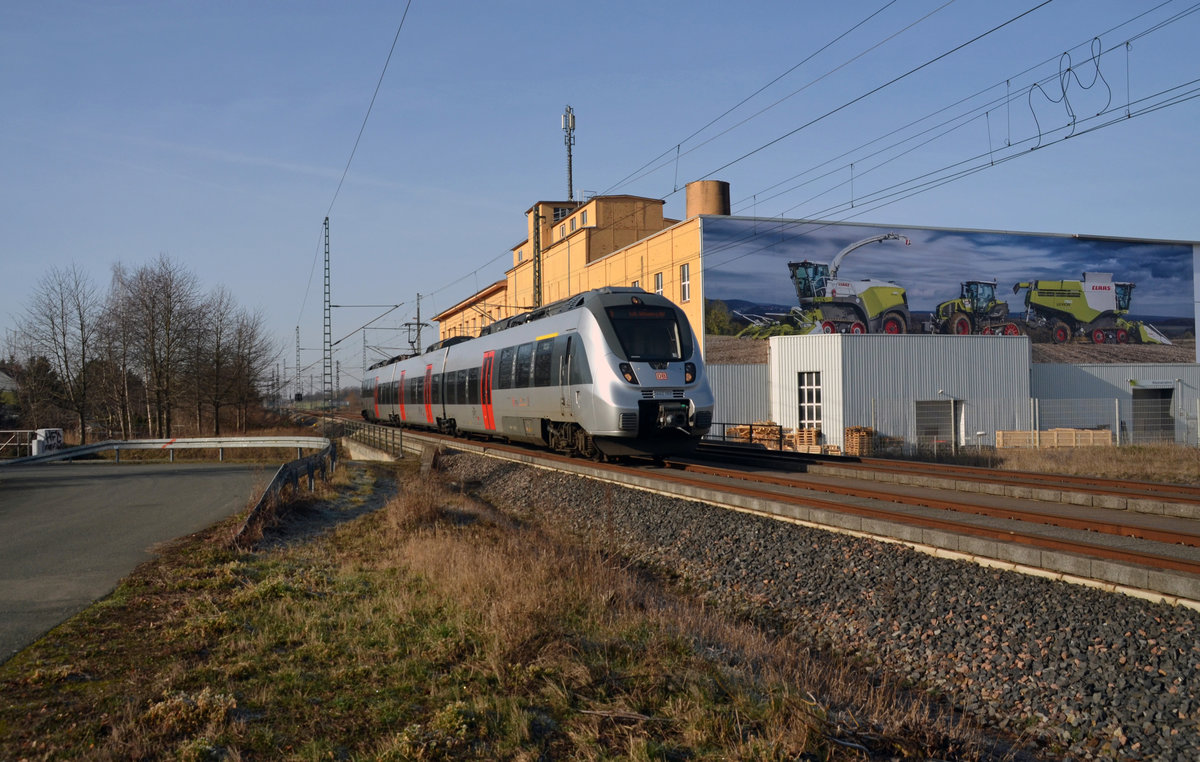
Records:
x=646, y=333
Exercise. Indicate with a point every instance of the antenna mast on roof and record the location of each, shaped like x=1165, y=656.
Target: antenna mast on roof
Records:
x=568, y=126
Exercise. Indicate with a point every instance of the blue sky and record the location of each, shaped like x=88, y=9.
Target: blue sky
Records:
x=217, y=132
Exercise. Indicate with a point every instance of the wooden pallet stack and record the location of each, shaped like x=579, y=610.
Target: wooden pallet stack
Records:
x=805, y=440
x=860, y=441
x=767, y=434
x=1055, y=438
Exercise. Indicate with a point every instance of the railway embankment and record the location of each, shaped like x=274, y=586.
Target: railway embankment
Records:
x=1086, y=673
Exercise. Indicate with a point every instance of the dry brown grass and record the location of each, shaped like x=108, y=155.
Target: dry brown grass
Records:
x=1150, y=463
x=1168, y=464
x=435, y=628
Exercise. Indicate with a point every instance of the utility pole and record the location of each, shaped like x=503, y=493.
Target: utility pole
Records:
x=327, y=346
x=299, y=387
x=537, y=257
x=415, y=346
x=568, y=126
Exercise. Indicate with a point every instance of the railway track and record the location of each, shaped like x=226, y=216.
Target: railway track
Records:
x=1142, y=554
x=866, y=467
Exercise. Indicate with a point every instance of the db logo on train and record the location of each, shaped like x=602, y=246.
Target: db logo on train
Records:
x=660, y=375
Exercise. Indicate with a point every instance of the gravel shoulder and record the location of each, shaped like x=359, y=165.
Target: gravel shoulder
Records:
x=1079, y=672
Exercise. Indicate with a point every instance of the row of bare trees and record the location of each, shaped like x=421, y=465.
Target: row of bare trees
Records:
x=151, y=356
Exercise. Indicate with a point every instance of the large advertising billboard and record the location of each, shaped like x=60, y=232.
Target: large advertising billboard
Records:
x=1136, y=292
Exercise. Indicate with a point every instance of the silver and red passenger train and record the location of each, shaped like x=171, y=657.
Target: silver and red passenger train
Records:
x=610, y=372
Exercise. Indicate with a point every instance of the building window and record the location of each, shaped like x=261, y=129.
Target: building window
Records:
x=658, y=283
x=685, y=283
x=810, y=399
x=562, y=231
x=573, y=221
x=520, y=255
x=561, y=212
x=583, y=217
x=637, y=284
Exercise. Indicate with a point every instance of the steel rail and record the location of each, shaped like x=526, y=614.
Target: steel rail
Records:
x=1013, y=513
x=1129, y=489
x=949, y=525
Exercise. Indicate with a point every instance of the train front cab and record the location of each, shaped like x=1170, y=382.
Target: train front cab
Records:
x=655, y=397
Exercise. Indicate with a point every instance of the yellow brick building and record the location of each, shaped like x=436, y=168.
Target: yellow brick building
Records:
x=604, y=241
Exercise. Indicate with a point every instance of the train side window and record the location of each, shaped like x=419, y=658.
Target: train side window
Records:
x=577, y=359
x=473, y=386
x=542, y=365
x=524, y=366
x=436, y=392
x=505, y=375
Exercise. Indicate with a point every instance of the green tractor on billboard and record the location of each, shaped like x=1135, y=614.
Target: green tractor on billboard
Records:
x=828, y=304
x=976, y=310
x=1094, y=307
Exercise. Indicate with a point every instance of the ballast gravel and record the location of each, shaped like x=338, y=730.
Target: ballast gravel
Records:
x=1091, y=674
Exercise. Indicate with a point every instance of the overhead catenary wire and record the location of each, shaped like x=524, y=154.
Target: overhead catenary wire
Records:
x=926, y=180
x=633, y=175
x=876, y=89
x=744, y=100
x=362, y=128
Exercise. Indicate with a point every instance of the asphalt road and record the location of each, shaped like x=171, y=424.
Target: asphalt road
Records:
x=69, y=532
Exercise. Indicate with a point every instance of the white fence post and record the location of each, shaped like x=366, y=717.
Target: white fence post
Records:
x=1034, y=412
x=1117, y=420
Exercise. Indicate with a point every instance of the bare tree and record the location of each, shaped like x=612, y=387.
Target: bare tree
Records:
x=214, y=355
x=60, y=325
x=254, y=354
x=163, y=306
x=120, y=388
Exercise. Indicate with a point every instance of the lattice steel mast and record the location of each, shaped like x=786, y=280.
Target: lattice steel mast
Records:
x=327, y=345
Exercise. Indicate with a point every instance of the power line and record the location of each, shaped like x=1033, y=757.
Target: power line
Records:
x=634, y=175
x=874, y=90
x=362, y=128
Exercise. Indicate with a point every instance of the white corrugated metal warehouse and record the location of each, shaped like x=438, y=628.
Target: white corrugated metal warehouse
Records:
x=923, y=389
x=954, y=391
x=1143, y=402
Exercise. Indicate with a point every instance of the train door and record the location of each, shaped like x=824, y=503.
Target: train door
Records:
x=429, y=393
x=565, y=403
x=575, y=382
x=485, y=390
x=400, y=397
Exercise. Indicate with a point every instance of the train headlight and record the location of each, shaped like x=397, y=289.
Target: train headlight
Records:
x=689, y=372
x=627, y=373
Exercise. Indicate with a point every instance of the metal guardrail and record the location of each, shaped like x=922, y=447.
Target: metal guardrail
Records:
x=321, y=463
x=202, y=443
x=389, y=439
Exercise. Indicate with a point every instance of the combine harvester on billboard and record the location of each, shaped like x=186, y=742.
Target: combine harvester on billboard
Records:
x=828, y=304
x=1094, y=307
